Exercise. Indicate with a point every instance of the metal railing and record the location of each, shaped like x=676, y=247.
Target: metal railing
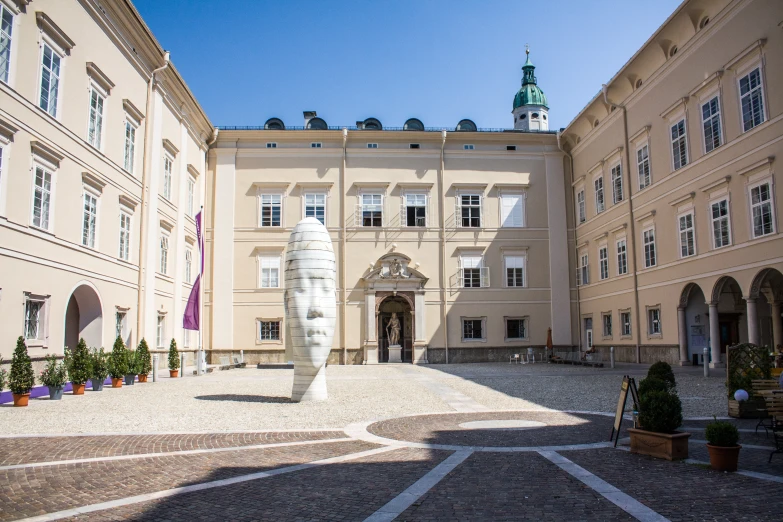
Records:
x=390, y=129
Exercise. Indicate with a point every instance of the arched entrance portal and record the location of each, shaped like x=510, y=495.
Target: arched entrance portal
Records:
x=400, y=306
x=693, y=318
x=727, y=324
x=84, y=317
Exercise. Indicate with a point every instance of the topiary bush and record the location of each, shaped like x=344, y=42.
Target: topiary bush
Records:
x=663, y=371
x=722, y=433
x=134, y=364
x=118, y=360
x=54, y=373
x=21, y=379
x=99, y=360
x=660, y=411
x=652, y=384
x=78, y=363
x=144, y=358
x=3, y=376
x=173, y=356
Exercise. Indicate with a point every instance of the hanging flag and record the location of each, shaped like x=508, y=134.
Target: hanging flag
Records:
x=192, y=318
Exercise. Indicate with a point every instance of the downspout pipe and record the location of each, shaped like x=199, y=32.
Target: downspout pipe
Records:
x=442, y=218
x=578, y=303
x=343, y=233
x=632, y=224
x=145, y=192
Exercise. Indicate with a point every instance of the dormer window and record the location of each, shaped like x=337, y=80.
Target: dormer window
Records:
x=672, y=51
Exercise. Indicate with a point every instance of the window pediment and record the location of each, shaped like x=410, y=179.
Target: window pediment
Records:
x=53, y=31
x=98, y=76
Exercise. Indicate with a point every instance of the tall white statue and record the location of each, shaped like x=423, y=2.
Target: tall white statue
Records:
x=310, y=306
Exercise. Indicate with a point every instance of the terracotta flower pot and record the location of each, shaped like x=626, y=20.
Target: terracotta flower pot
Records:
x=143, y=377
x=21, y=399
x=173, y=373
x=724, y=458
x=116, y=382
x=78, y=389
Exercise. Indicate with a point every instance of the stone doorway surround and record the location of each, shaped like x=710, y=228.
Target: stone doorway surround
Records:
x=391, y=275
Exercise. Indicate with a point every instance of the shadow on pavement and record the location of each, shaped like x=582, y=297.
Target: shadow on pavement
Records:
x=246, y=398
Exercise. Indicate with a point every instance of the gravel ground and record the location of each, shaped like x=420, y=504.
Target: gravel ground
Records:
x=251, y=399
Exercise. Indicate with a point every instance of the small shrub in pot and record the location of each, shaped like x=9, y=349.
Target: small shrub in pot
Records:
x=133, y=368
x=722, y=438
x=78, y=362
x=660, y=411
x=54, y=376
x=653, y=384
x=118, y=363
x=99, y=367
x=3, y=376
x=144, y=360
x=21, y=378
x=663, y=371
x=173, y=359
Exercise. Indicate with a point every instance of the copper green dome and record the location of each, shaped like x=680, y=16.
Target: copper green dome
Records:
x=529, y=93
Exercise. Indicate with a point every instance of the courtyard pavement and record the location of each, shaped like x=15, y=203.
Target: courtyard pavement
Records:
x=457, y=442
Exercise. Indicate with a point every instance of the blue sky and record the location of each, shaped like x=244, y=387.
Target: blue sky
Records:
x=436, y=60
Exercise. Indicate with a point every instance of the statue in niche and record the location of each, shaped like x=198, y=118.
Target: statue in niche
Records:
x=393, y=330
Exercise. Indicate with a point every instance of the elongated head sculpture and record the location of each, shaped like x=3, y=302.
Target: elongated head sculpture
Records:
x=310, y=306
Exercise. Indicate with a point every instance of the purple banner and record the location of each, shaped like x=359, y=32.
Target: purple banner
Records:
x=192, y=317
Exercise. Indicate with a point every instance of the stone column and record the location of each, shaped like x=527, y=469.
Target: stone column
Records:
x=777, y=328
x=715, y=337
x=560, y=305
x=681, y=322
x=371, y=321
x=420, y=326
x=753, y=321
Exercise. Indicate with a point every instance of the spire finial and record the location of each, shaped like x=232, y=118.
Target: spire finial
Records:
x=527, y=49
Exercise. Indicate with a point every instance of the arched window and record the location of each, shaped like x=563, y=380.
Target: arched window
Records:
x=413, y=124
x=372, y=124
x=317, y=124
x=274, y=124
x=466, y=125
x=523, y=117
x=534, y=116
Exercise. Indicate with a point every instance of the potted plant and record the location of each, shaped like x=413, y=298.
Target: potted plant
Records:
x=173, y=359
x=144, y=360
x=722, y=438
x=3, y=375
x=21, y=379
x=118, y=363
x=78, y=364
x=54, y=376
x=100, y=368
x=660, y=414
x=133, y=368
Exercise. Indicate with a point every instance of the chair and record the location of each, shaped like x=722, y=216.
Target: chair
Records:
x=775, y=411
x=757, y=386
x=514, y=358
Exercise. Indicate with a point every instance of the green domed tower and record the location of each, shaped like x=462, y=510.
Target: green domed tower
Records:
x=530, y=111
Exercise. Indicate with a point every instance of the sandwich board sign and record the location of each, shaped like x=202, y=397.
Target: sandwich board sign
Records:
x=629, y=384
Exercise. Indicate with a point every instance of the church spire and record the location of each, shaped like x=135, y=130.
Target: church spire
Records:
x=528, y=76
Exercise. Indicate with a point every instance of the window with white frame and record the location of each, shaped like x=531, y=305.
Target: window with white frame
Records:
x=168, y=165
x=469, y=210
x=271, y=210
x=515, y=270
x=516, y=328
x=648, y=240
x=622, y=257
x=191, y=195
x=188, y=263
x=468, y=146
x=603, y=262
x=687, y=235
x=119, y=324
x=315, y=206
x=161, y=332
x=316, y=145
x=372, y=145
x=268, y=330
x=130, y=146
x=186, y=338
x=751, y=99
x=473, y=273
x=625, y=324
x=164, y=253
x=6, y=31
x=710, y=118
x=34, y=318
x=679, y=144
x=589, y=331
x=583, y=271
x=50, y=79
x=762, y=210
x=617, y=184
x=372, y=210
x=89, y=219
x=414, y=210
x=125, y=236
x=271, y=145
x=580, y=206
x=269, y=271
x=643, y=166
x=42, y=198
x=606, y=320
x=95, y=127
x=719, y=216
x=473, y=329
x=599, y=194
x=512, y=210
x=654, y=321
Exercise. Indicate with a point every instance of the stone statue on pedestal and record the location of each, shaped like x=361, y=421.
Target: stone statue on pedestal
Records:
x=393, y=335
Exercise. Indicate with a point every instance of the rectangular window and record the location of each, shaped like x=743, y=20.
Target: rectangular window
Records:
x=271, y=145
x=6, y=28
x=512, y=210
x=607, y=324
x=515, y=271
x=472, y=329
x=125, y=236
x=191, y=195
x=511, y=147
x=470, y=210
x=50, y=80
x=603, y=262
x=721, y=234
x=271, y=210
x=415, y=211
x=648, y=237
x=599, y=195
x=315, y=207
x=622, y=257
x=516, y=328
x=710, y=117
x=762, y=210
x=414, y=146
x=372, y=145
x=589, y=331
x=161, y=332
x=580, y=203
x=164, y=253
x=130, y=146
x=270, y=271
x=617, y=184
x=186, y=338
x=751, y=99
x=654, y=321
x=269, y=330
x=687, y=237
x=168, y=164
x=468, y=147
x=95, y=128
x=316, y=145
x=583, y=272
x=42, y=198
x=89, y=220
x=474, y=273
x=188, y=264
x=643, y=166
x=679, y=145
x=625, y=323
x=372, y=210
x=33, y=316
x=119, y=325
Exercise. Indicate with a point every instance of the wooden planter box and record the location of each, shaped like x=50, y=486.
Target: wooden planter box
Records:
x=753, y=408
x=669, y=446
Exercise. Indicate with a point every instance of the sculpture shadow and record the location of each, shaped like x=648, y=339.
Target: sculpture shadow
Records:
x=233, y=397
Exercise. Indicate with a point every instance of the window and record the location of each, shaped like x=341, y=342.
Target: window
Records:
x=654, y=321
x=119, y=324
x=269, y=267
x=315, y=206
x=534, y=116
x=721, y=234
x=95, y=128
x=648, y=237
x=415, y=211
x=130, y=146
x=372, y=210
x=316, y=145
x=372, y=145
x=583, y=272
x=751, y=99
x=589, y=331
x=625, y=324
x=599, y=194
x=6, y=27
x=33, y=319
x=710, y=117
x=580, y=203
x=617, y=184
x=603, y=262
x=167, y=166
x=473, y=329
x=125, y=236
x=622, y=257
x=164, y=253
x=161, y=331
x=516, y=328
x=271, y=145
x=42, y=199
x=643, y=166
x=271, y=210
x=50, y=80
x=511, y=147
x=606, y=320
x=269, y=330
x=515, y=271
x=762, y=209
x=188, y=263
x=414, y=146
x=468, y=147
x=679, y=145
x=512, y=210
x=186, y=338
x=687, y=239
x=473, y=272
x=89, y=220
x=191, y=194
x=470, y=210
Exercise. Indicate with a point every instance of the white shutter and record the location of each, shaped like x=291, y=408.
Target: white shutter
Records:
x=511, y=210
x=403, y=213
x=458, y=211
